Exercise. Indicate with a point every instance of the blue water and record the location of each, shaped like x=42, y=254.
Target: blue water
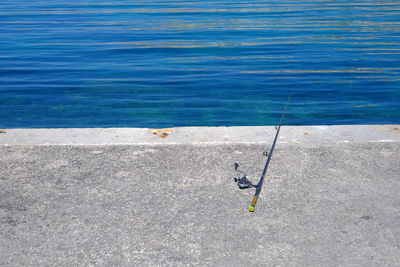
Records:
x=147, y=63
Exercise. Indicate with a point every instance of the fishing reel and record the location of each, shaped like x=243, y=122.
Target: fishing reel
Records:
x=243, y=182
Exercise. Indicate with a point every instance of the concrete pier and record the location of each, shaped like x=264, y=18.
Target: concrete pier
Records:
x=165, y=197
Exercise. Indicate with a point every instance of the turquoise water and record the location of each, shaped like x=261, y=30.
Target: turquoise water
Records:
x=149, y=63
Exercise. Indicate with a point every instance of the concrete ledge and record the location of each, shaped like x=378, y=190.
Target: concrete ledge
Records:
x=142, y=197
x=192, y=135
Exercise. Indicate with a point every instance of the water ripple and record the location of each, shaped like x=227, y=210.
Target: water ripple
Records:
x=154, y=63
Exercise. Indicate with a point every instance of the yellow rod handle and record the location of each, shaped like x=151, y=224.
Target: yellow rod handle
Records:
x=253, y=203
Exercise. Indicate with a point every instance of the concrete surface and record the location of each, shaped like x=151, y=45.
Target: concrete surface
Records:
x=198, y=135
x=330, y=200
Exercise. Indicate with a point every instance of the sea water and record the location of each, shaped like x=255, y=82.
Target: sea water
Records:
x=147, y=63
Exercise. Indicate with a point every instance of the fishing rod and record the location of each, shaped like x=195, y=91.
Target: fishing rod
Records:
x=243, y=182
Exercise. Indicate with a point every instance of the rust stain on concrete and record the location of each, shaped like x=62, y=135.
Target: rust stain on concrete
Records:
x=162, y=133
x=389, y=128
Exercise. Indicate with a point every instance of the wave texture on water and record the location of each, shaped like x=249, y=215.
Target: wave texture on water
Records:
x=153, y=63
